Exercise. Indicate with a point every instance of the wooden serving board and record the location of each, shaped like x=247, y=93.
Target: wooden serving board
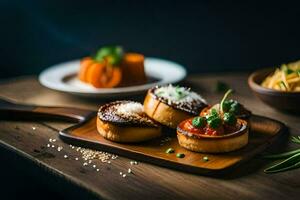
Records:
x=263, y=131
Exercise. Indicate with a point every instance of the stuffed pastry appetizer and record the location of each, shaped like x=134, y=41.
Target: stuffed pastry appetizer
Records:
x=214, y=131
x=169, y=105
x=125, y=121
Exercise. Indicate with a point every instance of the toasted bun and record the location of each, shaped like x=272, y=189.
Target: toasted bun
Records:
x=164, y=113
x=170, y=111
x=214, y=144
x=125, y=121
x=126, y=134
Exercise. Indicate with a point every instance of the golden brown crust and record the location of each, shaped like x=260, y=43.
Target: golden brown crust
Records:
x=213, y=144
x=163, y=113
x=109, y=113
x=126, y=134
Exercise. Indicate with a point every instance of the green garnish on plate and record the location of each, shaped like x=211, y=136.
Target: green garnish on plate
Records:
x=180, y=155
x=170, y=150
x=180, y=92
x=113, y=54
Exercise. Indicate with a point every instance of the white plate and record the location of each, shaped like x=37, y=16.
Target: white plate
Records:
x=62, y=77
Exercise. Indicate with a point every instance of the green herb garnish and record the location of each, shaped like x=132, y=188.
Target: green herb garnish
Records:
x=170, y=150
x=179, y=92
x=292, y=162
x=282, y=155
x=180, y=155
x=283, y=84
x=298, y=72
x=113, y=54
x=199, y=122
x=235, y=107
x=226, y=105
x=296, y=139
x=292, y=159
x=214, y=112
x=224, y=99
x=214, y=122
x=229, y=118
x=213, y=119
x=286, y=69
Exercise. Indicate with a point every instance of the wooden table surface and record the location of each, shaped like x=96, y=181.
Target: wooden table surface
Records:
x=247, y=181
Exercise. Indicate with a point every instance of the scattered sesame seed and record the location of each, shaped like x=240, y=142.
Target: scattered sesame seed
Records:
x=53, y=140
x=131, y=162
x=135, y=162
x=108, y=162
x=97, y=170
x=121, y=173
x=33, y=128
x=52, y=146
x=124, y=175
x=85, y=164
x=48, y=145
x=129, y=170
x=205, y=158
x=94, y=166
x=90, y=161
x=65, y=156
x=76, y=158
x=50, y=140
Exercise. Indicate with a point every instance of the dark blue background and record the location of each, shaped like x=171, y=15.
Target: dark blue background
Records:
x=204, y=36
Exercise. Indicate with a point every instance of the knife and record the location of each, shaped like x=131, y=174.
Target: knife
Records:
x=17, y=111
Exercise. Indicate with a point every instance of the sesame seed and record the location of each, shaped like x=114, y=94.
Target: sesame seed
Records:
x=85, y=164
x=121, y=173
x=124, y=175
x=52, y=146
x=53, y=140
x=33, y=128
x=97, y=170
x=205, y=158
x=129, y=171
x=48, y=145
x=50, y=140
x=76, y=158
x=94, y=166
x=131, y=162
x=65, y=156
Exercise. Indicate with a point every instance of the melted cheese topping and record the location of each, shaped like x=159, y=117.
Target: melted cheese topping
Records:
x=129, y=109
x=178, y=95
